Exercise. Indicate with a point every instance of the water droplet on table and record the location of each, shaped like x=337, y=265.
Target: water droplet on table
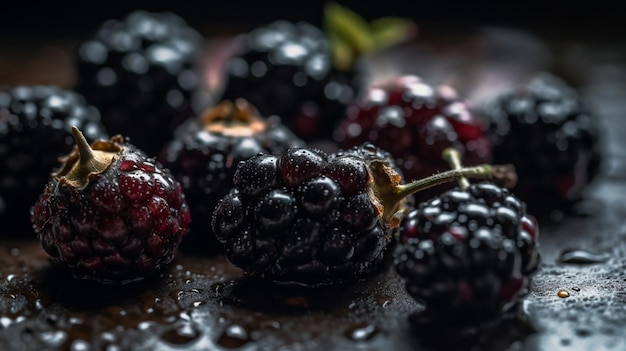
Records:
x=361, y=332
x=184, y=334
x=234, y=336
x=581, y=257
x=562, y=294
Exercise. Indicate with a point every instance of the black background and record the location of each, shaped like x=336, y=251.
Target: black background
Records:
x=600, y=19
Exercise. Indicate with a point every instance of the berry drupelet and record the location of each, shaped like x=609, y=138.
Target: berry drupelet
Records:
x=306, y=75
x=142, y=73
x=204, y=155
x=415, y=121
x=35, y=129
x=315, y=218
x=110, y=213
x=545, y=129
x=467, y=254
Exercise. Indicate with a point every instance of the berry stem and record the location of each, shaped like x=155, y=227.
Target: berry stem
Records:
x=477, y=172
x=391, y=194
x=453, y=157
x=89, y=161
x=237, y=119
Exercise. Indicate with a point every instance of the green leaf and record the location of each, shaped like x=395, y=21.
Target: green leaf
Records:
x=348, y=25
x=389, y=31
x=352, y=36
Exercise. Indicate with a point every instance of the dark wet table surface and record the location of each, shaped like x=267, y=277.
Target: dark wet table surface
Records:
x=204, y=303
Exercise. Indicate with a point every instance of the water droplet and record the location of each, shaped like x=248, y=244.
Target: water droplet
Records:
x=562, y=294
x=184, y=334
x=146, y=325
x=581, y=257
x=53, y=338
x=234, y=336
x=576, y=288
x=5, y=322
x=361, y=332
x=75, y=321
x=583, y=332
x=79, y=345
x=384, y=301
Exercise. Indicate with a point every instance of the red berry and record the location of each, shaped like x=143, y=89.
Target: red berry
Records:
x=110, y=214
x=415, y=121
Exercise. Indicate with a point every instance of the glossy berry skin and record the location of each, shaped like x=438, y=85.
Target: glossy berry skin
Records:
x=415, y=121
x=286, y=69
x=35, y=130
x=304, y=216
x=545, y=129
x=124, y=225
x=204, y=155
x=468, y=255
x=142, y=73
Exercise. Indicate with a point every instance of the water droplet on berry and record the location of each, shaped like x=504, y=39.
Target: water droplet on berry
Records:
x=53, y=338
x=562, y=294
x=361, y=332
x=384, y=301
x=234, y=336
x=577, y=256
x=80, y=345
x=145, y=325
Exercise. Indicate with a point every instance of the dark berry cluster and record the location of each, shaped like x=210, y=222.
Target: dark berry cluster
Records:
x=468, y=254
x=286, y=69
x=305, y=216
x=415, y=121
x=204, y=155
x=546, y=130
x=35, y=130
x=111, y=214
x=142, y=73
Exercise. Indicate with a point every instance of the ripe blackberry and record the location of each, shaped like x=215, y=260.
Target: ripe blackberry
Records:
x=315, y=218
x=35, y=129
x=468, y=255
x=141, y=72
x=204, y=155
x=415, y=121
x=284, y=69
x=110, y=213
x=303, y=74
x=545, y=129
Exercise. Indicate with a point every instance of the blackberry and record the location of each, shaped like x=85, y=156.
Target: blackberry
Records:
x=303, y=74
x=415, y=121
x=35, y=129
x=142, y=73
x=110, y=213
x=551, y=135
x=284, y=68
x=467, y=254
x=314, y=218
x=205, y=152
